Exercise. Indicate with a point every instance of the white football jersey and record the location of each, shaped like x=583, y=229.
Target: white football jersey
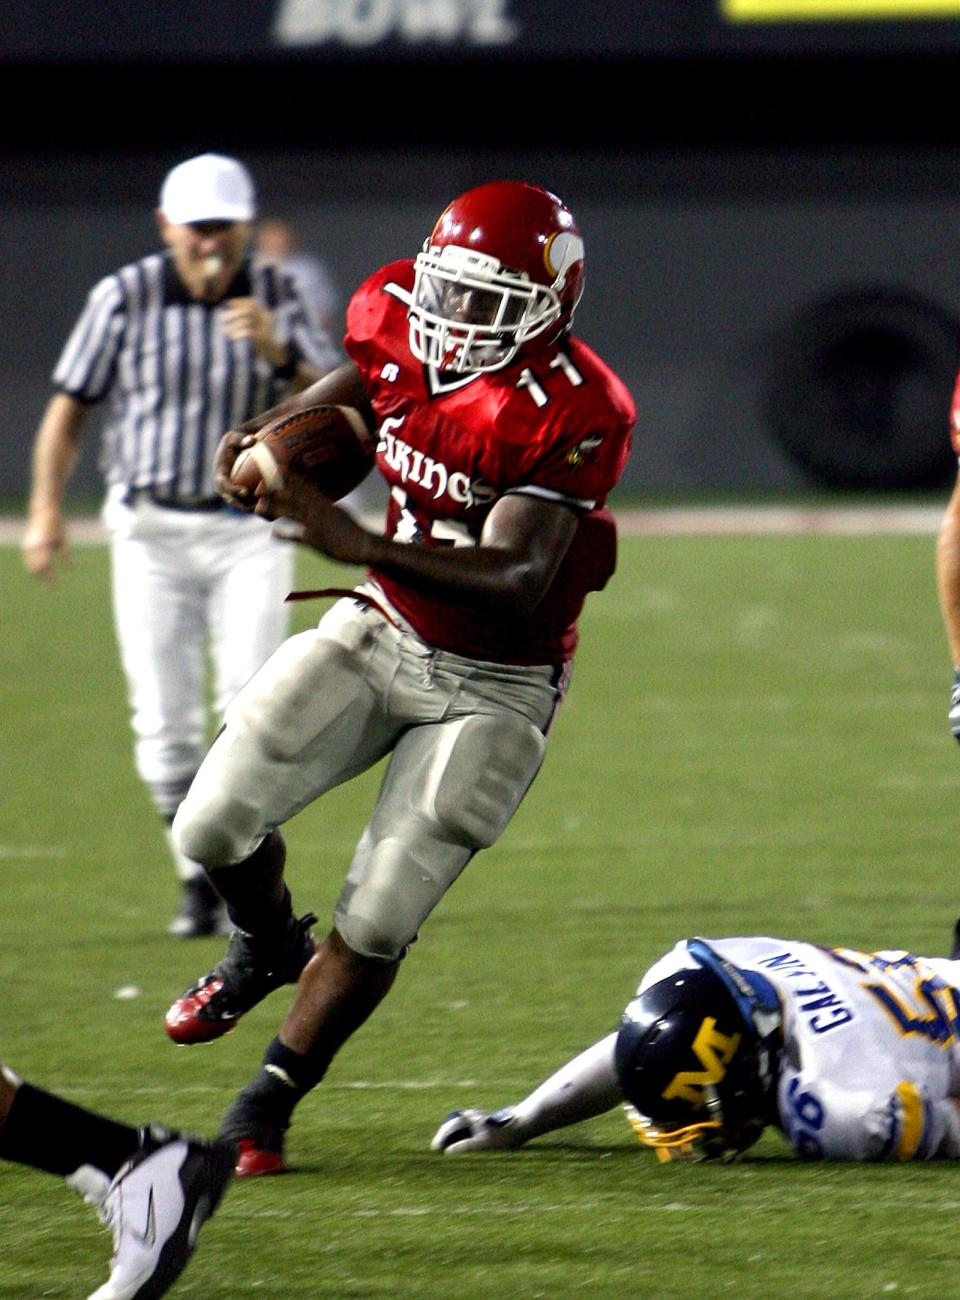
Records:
x=871, y=1064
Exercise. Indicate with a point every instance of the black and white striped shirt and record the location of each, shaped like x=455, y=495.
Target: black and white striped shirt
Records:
x=173, y=381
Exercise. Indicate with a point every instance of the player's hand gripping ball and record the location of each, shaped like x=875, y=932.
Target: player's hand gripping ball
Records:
x=330, y=446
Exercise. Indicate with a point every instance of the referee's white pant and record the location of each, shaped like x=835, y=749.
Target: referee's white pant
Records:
x=188, y=585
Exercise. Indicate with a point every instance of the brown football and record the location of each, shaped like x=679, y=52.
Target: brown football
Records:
x=329, y=445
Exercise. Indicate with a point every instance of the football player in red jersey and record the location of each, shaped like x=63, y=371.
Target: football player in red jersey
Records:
x=500, y=436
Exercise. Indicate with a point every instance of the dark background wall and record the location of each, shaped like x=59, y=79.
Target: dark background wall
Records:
x=727, y=198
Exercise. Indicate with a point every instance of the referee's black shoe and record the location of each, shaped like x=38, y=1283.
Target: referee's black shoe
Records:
x=201, y=911
x=251, y=968
x=955, y=945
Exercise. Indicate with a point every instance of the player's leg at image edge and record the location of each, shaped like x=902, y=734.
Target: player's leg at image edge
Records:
x=153, y=1187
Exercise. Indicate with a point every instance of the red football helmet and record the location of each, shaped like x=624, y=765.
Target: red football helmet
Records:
x=503, y=265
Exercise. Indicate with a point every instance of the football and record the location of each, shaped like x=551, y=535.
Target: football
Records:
x=329, y=445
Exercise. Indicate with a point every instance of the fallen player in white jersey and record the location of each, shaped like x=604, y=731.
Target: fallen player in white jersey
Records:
x=851, y=1055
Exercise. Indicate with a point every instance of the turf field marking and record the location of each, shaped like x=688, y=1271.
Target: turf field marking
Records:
x=86, y=1090
x=851, y=521
x=406, y=1085
x=31, y=851
x=669, y=521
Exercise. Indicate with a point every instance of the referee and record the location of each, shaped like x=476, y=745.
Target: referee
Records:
x=178, y=347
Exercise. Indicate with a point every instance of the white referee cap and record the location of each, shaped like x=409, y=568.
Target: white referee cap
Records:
x=210, y=187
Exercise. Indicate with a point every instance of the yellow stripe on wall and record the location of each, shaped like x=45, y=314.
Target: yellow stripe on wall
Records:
x=777, y=11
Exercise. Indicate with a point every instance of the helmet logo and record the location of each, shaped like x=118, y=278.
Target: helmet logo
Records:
x=563, y=250
x=584, y=448
x=714, y=1051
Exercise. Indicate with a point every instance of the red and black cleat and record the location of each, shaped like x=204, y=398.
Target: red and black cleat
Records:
x=251, y=969
x=257, y=1157
x=192, y=1019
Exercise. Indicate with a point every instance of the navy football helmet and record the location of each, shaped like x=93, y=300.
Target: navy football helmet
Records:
x=696, y=1057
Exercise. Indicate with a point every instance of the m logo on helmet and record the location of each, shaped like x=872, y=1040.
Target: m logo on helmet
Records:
x=714, y=1051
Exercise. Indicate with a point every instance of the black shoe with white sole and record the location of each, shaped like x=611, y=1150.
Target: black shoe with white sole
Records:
x=155, y=1207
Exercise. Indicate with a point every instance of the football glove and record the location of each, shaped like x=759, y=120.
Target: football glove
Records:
x=954, y=714
x=475, y=1130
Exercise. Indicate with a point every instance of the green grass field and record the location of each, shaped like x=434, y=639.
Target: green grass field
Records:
x=755, y=741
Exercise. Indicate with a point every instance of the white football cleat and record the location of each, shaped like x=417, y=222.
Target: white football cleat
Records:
x=155, y=1207
x=475, y=1130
